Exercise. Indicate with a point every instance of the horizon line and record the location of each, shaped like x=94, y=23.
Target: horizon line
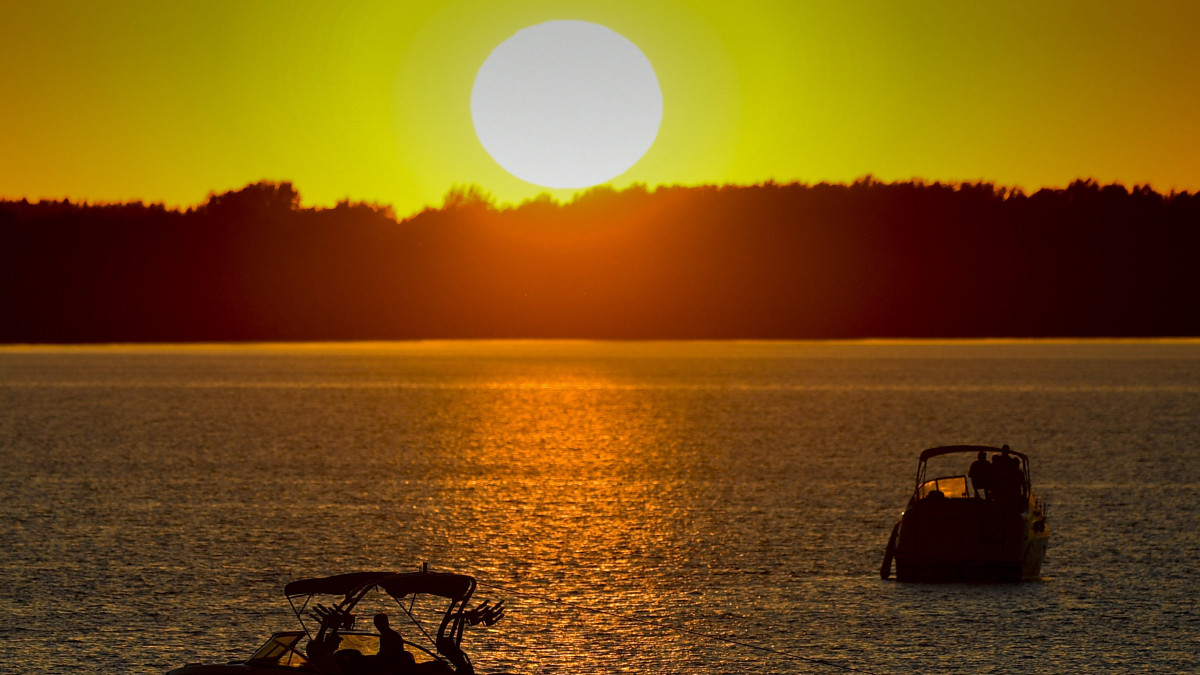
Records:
x=10, y=347
x=473, y=193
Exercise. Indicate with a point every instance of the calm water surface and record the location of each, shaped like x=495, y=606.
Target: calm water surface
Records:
x=158, y=498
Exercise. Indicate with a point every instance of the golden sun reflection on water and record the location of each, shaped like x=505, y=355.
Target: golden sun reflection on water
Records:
x=586, y=443
x=580, y=474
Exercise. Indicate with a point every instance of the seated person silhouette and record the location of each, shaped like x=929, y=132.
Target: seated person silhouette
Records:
x=980, y=474
x=392, y=657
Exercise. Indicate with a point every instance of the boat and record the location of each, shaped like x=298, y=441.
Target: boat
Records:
x=332, y=642
x=973, y=516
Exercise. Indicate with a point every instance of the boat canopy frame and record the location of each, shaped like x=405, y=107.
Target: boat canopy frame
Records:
x=926, y=455
x=354, y=586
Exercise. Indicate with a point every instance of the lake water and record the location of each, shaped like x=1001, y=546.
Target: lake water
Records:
x=157, y=499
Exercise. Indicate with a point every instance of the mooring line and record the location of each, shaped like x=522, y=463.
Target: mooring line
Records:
x=678, y=629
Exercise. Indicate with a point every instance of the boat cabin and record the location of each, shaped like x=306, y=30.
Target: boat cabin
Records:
x=971, y=471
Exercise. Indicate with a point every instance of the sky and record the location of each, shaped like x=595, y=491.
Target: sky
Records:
x=370, y=101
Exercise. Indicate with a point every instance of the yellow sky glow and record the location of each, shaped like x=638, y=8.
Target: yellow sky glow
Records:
x=167, y=101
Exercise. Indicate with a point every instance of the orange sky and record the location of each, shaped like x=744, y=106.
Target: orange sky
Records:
x=167, y=101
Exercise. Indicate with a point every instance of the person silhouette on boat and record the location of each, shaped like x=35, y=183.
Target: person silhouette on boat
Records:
x=998, y=490
x=1016, y=476
x=981, y=476
x=392, y=657
x=1007, y=479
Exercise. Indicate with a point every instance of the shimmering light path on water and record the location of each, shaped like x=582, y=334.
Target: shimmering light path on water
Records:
x=158, y=498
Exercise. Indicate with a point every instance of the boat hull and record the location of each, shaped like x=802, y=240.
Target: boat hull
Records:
x=238, y=669
x=970, y=540
x=425, y=668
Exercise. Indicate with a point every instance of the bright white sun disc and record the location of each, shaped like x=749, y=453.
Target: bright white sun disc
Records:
x=566, y=104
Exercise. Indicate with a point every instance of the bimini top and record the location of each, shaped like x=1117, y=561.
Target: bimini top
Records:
x=949, y=449
x=457, y=587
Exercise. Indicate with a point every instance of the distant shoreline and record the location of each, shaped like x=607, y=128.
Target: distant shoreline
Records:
x=365, y=345
x=864, y=261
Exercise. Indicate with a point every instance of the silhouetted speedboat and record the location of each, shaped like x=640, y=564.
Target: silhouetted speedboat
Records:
x=330, y=644
x=978, y=524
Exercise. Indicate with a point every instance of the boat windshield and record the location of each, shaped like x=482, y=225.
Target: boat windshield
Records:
x=285, y=649
x=282, y=649
x=951, y=487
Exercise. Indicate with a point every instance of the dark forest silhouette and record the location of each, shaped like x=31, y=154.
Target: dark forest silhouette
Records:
x=767, y=261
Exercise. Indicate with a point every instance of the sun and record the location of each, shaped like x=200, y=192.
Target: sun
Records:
x=566, y=104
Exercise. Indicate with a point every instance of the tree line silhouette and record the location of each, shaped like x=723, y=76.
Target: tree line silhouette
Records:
x=868, y=259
